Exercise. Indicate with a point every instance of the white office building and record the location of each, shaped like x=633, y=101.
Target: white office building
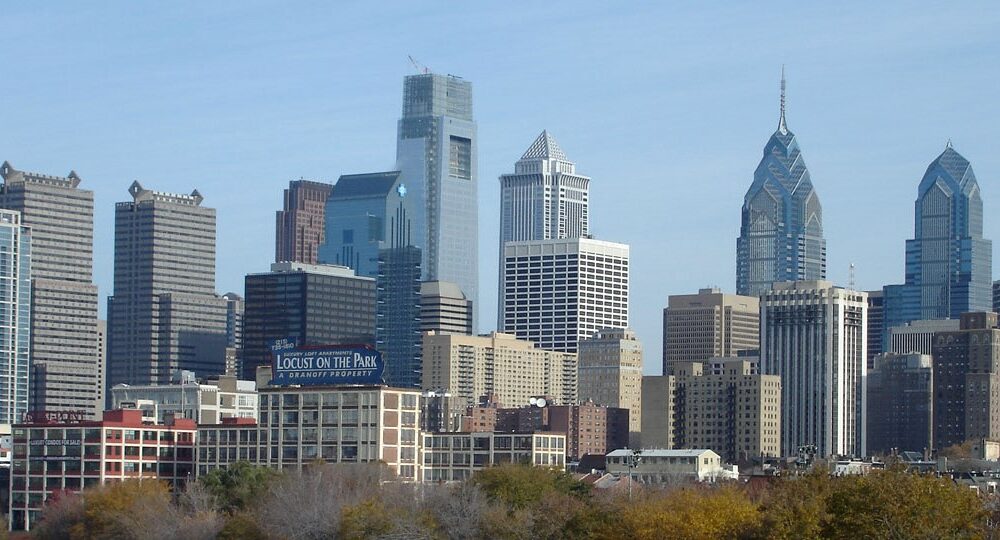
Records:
x=557, y=292
x=813, y=335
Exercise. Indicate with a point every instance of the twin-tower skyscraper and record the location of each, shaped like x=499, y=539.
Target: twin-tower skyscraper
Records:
x=948, y=267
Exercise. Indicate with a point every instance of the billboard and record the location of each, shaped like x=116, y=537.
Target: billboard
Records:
x=349, y=364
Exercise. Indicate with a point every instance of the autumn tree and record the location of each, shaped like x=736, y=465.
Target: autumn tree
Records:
x=308, y=504
x=796, y=507
x=895, y=504
x=689, y=513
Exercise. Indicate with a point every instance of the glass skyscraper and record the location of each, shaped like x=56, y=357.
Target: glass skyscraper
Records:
x=948, y=262
x=781, y=235
x=436, y=152
x=15, y=316
x=366, y=213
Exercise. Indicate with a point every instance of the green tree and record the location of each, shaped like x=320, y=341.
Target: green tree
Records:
x=520, y=486
x=237, y=486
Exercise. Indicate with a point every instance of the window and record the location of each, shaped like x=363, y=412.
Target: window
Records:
x=460, y=158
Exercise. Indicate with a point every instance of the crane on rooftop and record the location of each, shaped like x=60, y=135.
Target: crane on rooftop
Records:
x=418, y=66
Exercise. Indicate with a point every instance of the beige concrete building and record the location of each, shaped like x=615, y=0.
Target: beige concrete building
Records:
x=444, y=308
x=340, y=424
x=709, y=324
x=610, y=373
x=468, y=367
x=736, y=413
x=451, y=457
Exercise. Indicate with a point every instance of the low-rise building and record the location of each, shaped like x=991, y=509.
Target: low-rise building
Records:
x=57, y=452
x=669, y=466
x=455, y=456
x=349, y=424
x=589, y=429
x=185, y=397
x=219, y=445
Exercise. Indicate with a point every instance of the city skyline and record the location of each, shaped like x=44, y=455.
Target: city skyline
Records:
x=189, y=123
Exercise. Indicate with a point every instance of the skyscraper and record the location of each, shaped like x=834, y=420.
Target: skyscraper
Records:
x=436, y=152
x=300, y=225
x=544, y=199
x=370, y=228
x=813, y=335
x=15, y=316
x=709, y=324
x=948, y=262
x=366, y=213
x=66, y=368
x=876, y=310
x=557, y=292
x=781, y=235
x=397, y=315
x=164, y=315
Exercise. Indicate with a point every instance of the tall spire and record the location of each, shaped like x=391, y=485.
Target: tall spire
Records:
x=781, y=119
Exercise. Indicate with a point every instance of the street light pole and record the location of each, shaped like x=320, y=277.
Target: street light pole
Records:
x=632, y=461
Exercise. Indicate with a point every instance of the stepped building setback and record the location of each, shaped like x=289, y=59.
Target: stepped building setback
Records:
x=67, y=372
x=781, y=233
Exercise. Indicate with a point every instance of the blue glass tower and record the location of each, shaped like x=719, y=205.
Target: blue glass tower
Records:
x=370, y=228
x=436, y=152
x=948, y=262
x=366, y=213
x=781, y=235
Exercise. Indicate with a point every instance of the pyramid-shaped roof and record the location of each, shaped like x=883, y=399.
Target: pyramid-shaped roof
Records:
x=545, y=147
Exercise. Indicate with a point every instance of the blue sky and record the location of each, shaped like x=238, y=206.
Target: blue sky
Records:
x=666, y=107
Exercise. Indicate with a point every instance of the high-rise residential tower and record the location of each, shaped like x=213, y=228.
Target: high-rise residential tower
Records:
x=709, y=324
x=813, y=335
x=300, y=225
x=15, y=316
x=966, y=377
x=610, y=374
x=781, y=235
x=436, y=152
x=66, y=370
x=164, y=315
x=557, y=292
x=948, y=262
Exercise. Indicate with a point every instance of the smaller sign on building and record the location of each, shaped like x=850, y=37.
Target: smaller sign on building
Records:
x=349, y=365
x=54, y=442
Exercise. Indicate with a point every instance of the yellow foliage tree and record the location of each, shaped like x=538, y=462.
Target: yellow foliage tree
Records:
x=693, y=513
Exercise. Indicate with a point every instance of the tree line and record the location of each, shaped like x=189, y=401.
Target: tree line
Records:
x=362, y=501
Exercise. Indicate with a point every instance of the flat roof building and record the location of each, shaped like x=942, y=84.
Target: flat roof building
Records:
x=709, y=324
x=64, y=452
x=313, y=304
x=471, y=366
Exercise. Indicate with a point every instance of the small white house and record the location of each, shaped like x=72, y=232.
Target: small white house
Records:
x=655, y=466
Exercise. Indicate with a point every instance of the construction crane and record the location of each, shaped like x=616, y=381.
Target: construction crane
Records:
x=418, y=66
